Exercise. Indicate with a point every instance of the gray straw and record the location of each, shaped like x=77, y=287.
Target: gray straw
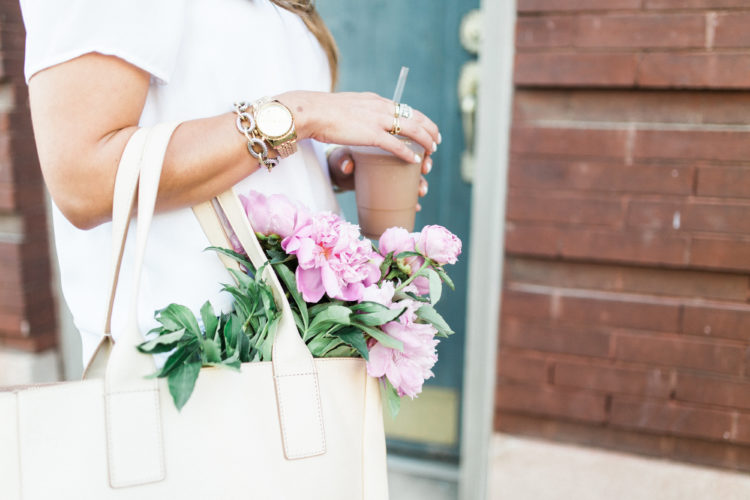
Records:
x=400, y=84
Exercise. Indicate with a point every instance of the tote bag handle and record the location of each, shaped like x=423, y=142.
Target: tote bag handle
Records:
x=295, y=375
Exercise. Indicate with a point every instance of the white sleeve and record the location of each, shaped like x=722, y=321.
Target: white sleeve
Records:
x=145, y=33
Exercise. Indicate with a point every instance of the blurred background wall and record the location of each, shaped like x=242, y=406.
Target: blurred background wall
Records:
x=626, y=321
x=28, y=311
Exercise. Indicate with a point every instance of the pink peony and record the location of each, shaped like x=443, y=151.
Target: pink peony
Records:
x=333, y=259
x=274, y=214
x=382, y=294
x=439, y=244
x=396, y=240
x=406, y=370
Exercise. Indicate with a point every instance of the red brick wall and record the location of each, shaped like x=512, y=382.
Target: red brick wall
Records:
x=27, y=309
x=626, y=312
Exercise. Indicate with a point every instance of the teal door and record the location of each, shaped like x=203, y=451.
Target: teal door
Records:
x=376, y=38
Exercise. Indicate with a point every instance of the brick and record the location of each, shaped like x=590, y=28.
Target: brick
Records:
x=600, y=176
x=713, y=391
x=723, y=217
x=644, y=247
x=612, y=31
x=694, y=4
x=582, y=433
x=729, y=182
x=575, y=5
x=711, y=453
x=613, y=69
x=730, y=321
x=519, y=367
x=630, y=279
x=546, y=207
x=547, y=31
x=687, y=107
x=584, y=341
x=708, y=355
x=662, y=416
x=655, y=214
x=569, y=141
x=644, y=313
x=720, y=253
x=642, y=31
x=710, y=145
x=698, y=70
x=526, y=305
x=742, y=431
x=542, y=400
x=532, y=240
x=731, y=30
x=38, y=343
x=726, y=217
x=613, y=379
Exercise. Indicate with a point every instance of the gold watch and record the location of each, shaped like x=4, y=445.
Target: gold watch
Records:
x=275, y=123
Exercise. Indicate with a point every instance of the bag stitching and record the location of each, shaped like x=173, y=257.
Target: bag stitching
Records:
x=159, y=436
x=280, y=392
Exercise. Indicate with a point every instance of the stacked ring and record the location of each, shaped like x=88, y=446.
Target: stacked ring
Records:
x=405, y=111
x=396, y=128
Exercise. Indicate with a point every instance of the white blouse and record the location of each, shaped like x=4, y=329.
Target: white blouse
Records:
x=203, y=55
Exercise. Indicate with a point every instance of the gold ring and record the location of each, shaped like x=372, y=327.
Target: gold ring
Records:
x=396, y=128
x=397, y=111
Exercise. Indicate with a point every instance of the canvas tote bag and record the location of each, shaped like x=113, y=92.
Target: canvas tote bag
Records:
x=292, y=428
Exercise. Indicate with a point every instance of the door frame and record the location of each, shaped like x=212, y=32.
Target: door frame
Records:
x=486, y=243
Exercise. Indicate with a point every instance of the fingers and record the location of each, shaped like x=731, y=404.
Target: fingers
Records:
x=426, y=165
x=423, y=187
x=341, y=160
x=428, y=125
x=397, y=147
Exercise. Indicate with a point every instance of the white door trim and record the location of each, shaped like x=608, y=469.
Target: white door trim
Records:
x=486, y=243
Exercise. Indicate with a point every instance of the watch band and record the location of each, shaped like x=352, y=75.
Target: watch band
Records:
x=287, y=149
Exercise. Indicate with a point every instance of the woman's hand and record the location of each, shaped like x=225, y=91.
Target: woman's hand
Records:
x=358, y=119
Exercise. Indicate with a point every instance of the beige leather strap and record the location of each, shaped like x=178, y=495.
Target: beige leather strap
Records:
x=214, y=230
x=295, y=374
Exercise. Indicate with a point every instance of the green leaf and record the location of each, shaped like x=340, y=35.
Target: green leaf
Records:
x=436, y=286
x=163, y=343
x=181, y=382
x=241, y=258
x=182, y=353
x=392, y=399
x=210, y=320
x=321, y=344
x=380, y=317
x=267, y=345
x=342, y=351
x=211, y=350
x=429, y=314
x=333, y=314
x=403, y=255
x=287, y=277
x=444, y=276
x=241, y=278
x=356, y=339
x=380, y=336
x=176, y=317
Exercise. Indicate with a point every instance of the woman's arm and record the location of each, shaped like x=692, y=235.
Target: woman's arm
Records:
x=85, y=110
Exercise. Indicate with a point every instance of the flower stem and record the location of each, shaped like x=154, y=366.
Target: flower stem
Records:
x=411, y=278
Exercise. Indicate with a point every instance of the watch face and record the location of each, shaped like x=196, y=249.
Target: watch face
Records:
x=273, y=119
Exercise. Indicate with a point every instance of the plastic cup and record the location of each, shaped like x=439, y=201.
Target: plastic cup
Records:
x=386, y=189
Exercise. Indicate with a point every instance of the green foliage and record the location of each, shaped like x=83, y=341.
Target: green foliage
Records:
x=332, y=328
